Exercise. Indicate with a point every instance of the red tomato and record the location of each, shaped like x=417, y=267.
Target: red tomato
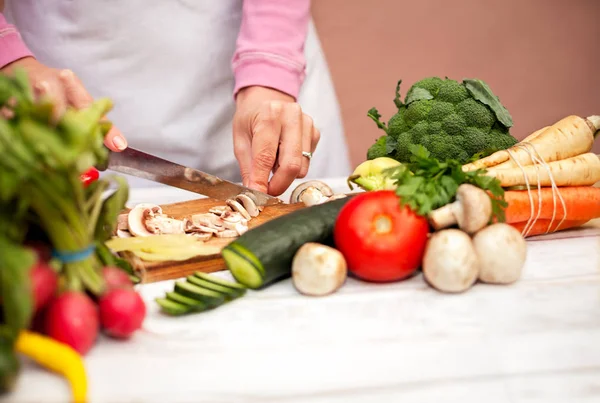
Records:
x=380, y=241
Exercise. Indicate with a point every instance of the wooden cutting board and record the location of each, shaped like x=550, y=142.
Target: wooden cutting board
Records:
x=158, y=271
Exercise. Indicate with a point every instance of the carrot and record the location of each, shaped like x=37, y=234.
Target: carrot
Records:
x=569, y=137
x=581, y=203
x=541, y=226
x=582, y=170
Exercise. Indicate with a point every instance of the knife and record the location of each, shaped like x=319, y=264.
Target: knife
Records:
x=139, y=164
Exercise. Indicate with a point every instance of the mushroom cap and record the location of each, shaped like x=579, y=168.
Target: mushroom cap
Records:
x=135, y=218
x=318, y=269
x=450, y=262
x=502, y=251
x=324, y=188
x=472, y=209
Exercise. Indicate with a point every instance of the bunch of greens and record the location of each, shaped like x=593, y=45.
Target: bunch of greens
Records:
x=426, y=183
x=42, y=196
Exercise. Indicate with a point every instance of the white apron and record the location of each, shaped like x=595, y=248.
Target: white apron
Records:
x=166, y=66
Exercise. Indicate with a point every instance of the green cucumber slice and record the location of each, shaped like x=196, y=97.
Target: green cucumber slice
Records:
x=193, y=304
x=210, y=298
x=242, y=269
x=172, y=307
x=229, y=293
x=219, y=281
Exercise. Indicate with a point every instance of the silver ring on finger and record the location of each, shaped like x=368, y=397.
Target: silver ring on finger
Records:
x=307, y=154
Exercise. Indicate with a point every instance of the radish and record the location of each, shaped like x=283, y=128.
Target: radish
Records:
x=114, y=277
x=44, y=282
x=73, y=319
x=122, y=312
x=41, y=249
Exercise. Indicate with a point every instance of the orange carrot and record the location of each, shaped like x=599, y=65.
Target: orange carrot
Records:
x=581, y=203
x=541, y=226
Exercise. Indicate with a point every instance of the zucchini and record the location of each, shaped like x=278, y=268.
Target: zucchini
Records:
x=172, y=307
x=264, y=254
x=228, y=293
x=193, y=304
x=219, y=281
x=210, y=298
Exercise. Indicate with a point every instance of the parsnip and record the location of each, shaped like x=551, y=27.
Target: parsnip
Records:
x=569, y=137
x=581, y=170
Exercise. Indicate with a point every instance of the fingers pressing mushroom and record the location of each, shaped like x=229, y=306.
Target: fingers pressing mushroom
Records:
x=501, y=250
x=311, y=193
x=472, y=210
x=318, y=270
x=450, y=263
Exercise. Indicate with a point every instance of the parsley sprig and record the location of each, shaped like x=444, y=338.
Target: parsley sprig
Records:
x=426, y=183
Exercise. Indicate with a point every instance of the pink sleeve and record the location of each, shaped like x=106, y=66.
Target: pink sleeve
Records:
x=12, y=46
x=270, y=45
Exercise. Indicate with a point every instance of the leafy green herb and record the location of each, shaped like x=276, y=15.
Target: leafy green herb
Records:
x=426, y=183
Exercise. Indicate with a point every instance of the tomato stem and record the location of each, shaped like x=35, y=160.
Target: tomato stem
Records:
x=383, y=224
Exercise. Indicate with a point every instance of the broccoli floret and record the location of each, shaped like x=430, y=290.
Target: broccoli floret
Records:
x=379, y=149
x=431, y=84
x=454, y=125
x=417, y=111
x=439, y=111
x=452, y=91
x=476, y=114
x=397, y=124
x=448, y=118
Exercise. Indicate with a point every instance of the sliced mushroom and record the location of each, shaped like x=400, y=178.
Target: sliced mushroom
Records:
x=317, y=187
x=122, y=222
x=162, y=224
x=239, y=208
x=203, y=236
x=450, y=262
x=207, y=220
x=472, y=210
x=501, y=250
x=218, y=210
x=137, y=216
x=121, y=233
x=228, y=233
x=248, y=204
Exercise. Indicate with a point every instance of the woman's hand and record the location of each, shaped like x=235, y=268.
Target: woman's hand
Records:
x=65, y=90
x=270, y=133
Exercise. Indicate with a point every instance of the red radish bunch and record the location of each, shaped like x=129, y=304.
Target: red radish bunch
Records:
x=74, y=318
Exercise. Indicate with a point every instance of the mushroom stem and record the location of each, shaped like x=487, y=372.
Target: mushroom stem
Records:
x=472, y=210
x=501, y=250
x=450, y=262
x=318, y=269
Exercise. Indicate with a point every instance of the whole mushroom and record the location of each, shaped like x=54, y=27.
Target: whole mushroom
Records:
x=450, y=262
x=472, y=210
x=318, y=269
x=501, y=251
x=311, y=193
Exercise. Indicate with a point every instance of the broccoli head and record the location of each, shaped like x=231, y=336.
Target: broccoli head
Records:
x=453, y=120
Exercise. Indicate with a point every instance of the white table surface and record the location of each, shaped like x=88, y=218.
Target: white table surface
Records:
x=535, y=341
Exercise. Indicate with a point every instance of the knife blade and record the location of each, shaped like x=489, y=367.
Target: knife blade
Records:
x=142, y=165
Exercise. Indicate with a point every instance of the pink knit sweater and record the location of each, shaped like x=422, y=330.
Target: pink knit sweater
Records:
x=269, y=52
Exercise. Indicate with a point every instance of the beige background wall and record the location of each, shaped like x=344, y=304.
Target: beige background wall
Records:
x=541, y=57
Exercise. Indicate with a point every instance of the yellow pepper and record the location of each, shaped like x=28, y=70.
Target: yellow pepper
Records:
x=57, y=357
x=369, y=174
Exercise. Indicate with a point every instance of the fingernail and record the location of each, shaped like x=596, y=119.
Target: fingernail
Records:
x=65, y=73
x=119, y=143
